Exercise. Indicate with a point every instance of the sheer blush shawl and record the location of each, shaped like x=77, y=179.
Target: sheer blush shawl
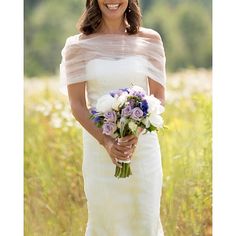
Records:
x=77, y=52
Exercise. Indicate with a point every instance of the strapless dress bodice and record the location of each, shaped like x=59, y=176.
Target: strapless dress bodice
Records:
x=104, y=75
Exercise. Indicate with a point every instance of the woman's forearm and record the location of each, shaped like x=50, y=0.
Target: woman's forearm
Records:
x=81, y=114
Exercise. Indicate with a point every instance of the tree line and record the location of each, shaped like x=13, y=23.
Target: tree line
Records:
x=184, y=25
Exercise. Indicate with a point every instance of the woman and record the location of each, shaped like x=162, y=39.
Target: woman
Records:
x=111, y=52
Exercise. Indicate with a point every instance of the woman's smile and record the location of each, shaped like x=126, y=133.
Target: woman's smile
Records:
x=113, y=6
x=113, y=9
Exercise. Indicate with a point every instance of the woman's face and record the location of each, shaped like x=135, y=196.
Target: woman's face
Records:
x=113, y=9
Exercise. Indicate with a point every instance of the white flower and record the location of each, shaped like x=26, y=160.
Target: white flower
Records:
x=138, y=89
x=154, y=105
x=146, y=122
x=104, y=103
x=119, y=101
x=133, y=127
x=156, y=120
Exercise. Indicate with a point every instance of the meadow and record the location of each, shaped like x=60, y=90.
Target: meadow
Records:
x=54, y=201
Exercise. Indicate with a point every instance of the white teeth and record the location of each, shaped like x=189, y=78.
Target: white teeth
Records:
x=113, y=6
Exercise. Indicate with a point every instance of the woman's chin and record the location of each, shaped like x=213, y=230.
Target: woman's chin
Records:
x=113, y=16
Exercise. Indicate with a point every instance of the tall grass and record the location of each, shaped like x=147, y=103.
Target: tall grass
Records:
x=55, y=204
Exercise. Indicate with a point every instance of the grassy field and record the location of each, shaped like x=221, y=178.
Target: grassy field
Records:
x=55, y=204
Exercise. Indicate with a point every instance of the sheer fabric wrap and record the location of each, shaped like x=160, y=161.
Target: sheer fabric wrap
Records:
x=78, y=51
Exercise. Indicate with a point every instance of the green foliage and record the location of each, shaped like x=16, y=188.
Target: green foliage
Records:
x=185, y=26
x=186, y=34
x=198, y=42
x=46, y=28
x=54, y=197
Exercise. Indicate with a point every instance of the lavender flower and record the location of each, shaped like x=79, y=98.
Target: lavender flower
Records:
x=127, y=111
x=139, y=94
x=132, y=102
x=118, y=92
x=125, y=90
x=110, y=116
x=109, y=128
x=137, y=91
x=113, y=93
x=137, y=113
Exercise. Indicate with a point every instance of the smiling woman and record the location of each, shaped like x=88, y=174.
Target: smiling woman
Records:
x=113, y=52
x=99, y=12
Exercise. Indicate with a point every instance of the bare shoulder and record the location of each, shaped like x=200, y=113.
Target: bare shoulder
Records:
x=149, y=33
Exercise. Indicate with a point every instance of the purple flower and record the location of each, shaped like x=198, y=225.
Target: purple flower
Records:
x=97, y=119
x=93, y=111
x=112, y=94
x=137, y=91
x=137, y=113
x=110, y=116
x=144, y=107
x=109, y=128
x=138, y=94
x=125, y=90
x=127, y=111
x=118, y=92
x=132, y=102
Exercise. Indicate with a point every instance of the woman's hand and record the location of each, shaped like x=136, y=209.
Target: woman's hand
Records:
x=129, y=142
x=117, y=151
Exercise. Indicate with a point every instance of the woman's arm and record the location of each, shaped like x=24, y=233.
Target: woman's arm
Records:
x=81, y=113
x=157, y=90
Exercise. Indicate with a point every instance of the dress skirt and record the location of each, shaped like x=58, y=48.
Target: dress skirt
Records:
x=125, y=206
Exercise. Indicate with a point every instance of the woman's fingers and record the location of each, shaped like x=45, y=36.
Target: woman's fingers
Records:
x=129, y=143
x=118, y=156
x=126, y=138
x=121, y=148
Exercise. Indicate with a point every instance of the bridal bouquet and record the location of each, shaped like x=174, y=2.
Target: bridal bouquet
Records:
x=123, y=112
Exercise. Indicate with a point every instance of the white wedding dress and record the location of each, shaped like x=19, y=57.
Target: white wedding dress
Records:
x=129, y=206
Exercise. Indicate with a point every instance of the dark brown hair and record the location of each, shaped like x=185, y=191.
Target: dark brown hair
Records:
x=92, y=16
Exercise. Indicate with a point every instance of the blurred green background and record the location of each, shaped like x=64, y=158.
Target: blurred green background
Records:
x=55, y=203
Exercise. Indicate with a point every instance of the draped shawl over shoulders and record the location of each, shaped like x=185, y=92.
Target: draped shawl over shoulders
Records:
x=79, y=50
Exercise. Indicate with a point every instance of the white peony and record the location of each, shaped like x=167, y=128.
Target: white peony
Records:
x=104, y=103
x=119, y=101
x=133, y=127
x=154, y=105
x=156, y=120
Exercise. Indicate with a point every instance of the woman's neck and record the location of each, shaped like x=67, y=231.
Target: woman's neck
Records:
x=113, y=27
